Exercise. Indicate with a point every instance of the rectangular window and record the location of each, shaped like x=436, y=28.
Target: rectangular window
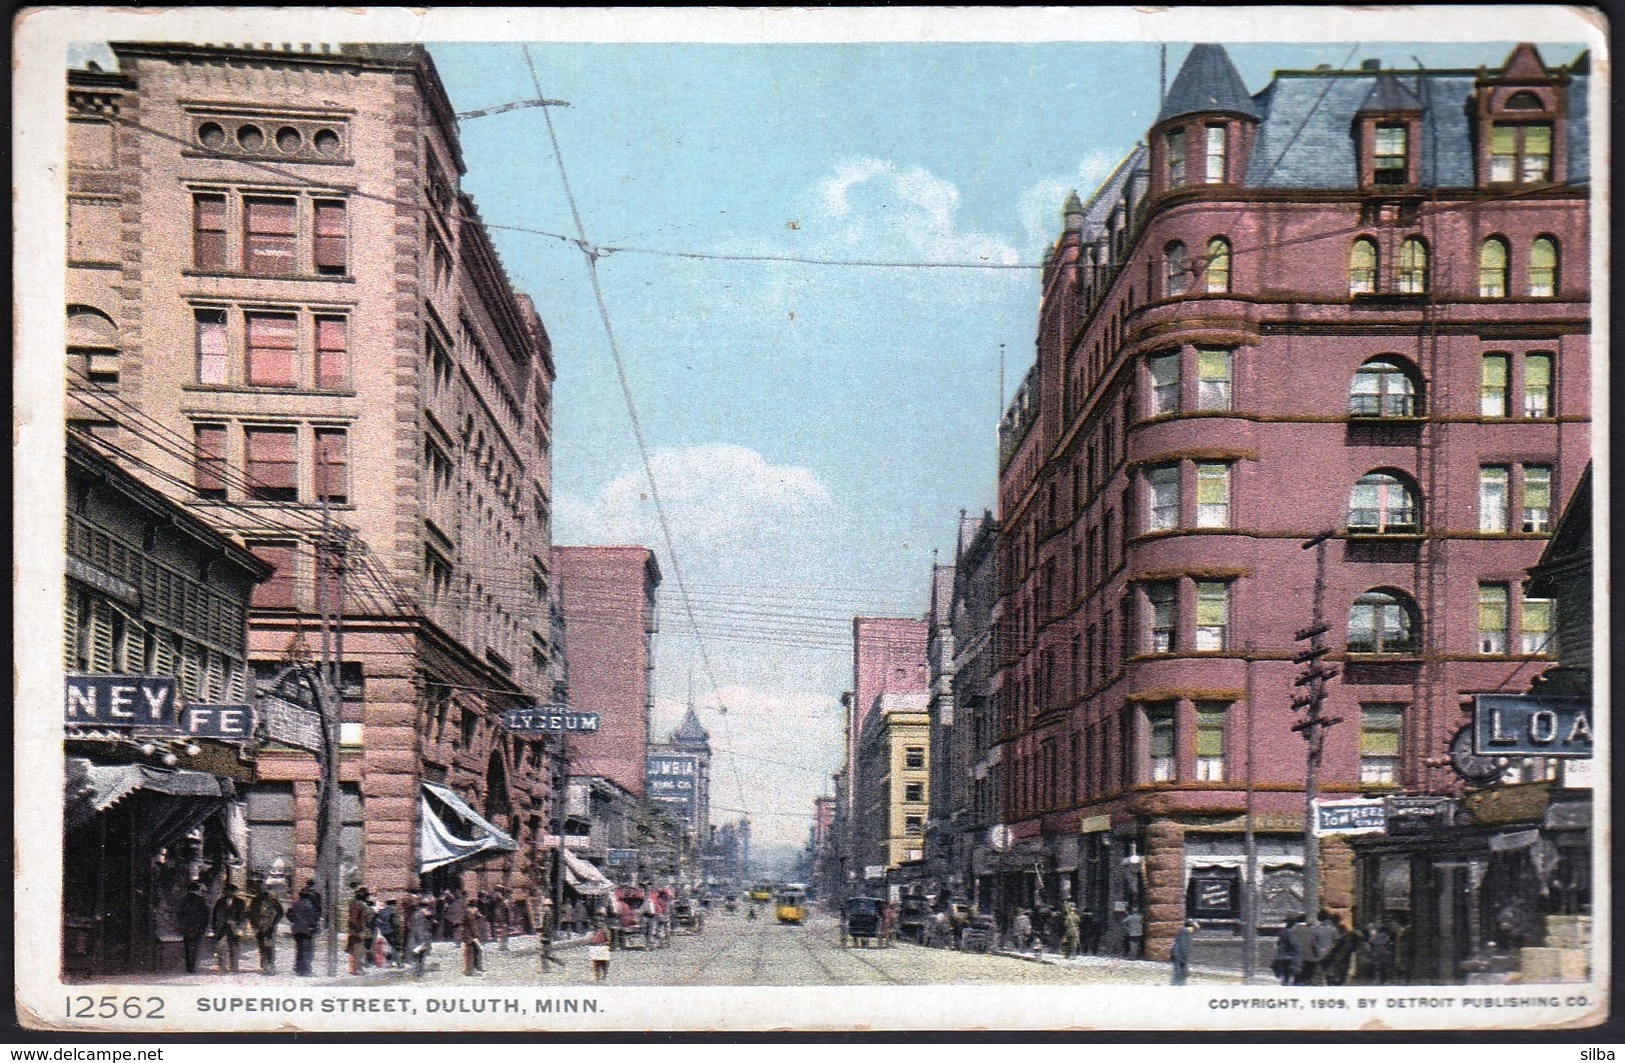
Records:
x=1159, y=720
x=209, y=461
x=1212, y=378
x=270, y=231
x=211, y=346
x=1492, y=618
x=1214, y=173
x=1210, y=716
x=914, y=757
x=1537, y=385
x=1492, y=498
x=269, y=349
x=1537, y=498
x=332, y=466
x=329, y=250
x=277, y=591
x=270, y=459
x=209, y=232
x=913, y=825
x=1164, y=369
x=1381, y=729
x=1176, y=158
x=332, y=354
x=1389, y=155
x=1535, y=625
x=914, y=791
x=1520, y=152
x=1492, y=385
x=1163, y=481
x=1212, y=494
x=1212, y=614
x=1159, y=598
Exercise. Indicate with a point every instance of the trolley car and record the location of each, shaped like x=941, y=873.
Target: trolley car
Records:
x=790, y=906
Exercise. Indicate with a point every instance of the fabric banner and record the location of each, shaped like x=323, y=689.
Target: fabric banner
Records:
x=439, y=845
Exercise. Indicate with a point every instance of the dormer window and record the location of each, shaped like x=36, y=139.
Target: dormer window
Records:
x=1390, y=154
x=1520, y=152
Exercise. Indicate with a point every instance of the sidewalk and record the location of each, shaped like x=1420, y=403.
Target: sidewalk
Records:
x=1119, y=963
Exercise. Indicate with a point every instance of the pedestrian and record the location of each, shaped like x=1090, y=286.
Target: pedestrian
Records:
x=499, y=916
x=315, y=898
x=1070, y=925
x=598, y=953
x=578, y=918
x=1180, y=954
x=192, y=920
x=303, y=918
x=1341, y=957
x=1133, y=934
x=1288, y=960
x=389, y=931
x=1303, y=940
x=265, y=913
x=473, y=949
x=1089, y=930
x=1322, y=941
x=359, y=929
x=420, y=931
x=1021, y=931
x=1379, y=943
x=456, y=909
x=646, y=913
x=226, y=920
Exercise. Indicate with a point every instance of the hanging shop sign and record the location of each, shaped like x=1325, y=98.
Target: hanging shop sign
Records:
x=550, y=719
x=1419, y=815
x=291, y=724
x=120, y=701
x=228, y=723
x=1531, y=725
x=1351, y=817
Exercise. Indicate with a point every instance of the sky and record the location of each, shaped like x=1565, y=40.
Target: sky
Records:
x=813, y=430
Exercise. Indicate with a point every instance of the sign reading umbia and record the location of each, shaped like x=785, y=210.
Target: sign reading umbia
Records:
x=147, y=702
x=549, y=719
x=1531, y=725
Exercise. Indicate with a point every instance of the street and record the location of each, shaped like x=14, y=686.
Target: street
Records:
x=734, y=950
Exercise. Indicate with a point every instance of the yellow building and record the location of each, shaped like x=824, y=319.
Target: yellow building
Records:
x=893, y=782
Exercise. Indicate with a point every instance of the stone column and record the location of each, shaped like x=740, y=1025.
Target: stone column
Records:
x=1164, y=885
x=389, y=785
x=1337, y=877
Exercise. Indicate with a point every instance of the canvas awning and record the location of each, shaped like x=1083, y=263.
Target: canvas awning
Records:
x=93, y=788
x=467, y=834
x=582, y=877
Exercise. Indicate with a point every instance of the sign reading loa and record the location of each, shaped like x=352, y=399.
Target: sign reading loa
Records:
x=1531, y=725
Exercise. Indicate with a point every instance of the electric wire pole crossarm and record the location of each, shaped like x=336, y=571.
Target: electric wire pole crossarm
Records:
x=1313, y=725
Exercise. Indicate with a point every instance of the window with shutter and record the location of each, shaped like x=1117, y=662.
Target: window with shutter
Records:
x=209, y=232
x=270, y=232
x=1363, y=267
x=1535, y=625
x=1212, y=614
x=1212, y=378
x=271, y=342
x=1492, y=385
x=1381, y=727
x=1492, y=618
x=332, y=354
x=101, y=638
x=330, y=251
x=271, y=464
x=1212, y=494
x=1543, y=267
x=1159, y=720
x=1537, y=498
x=1492, y=498
x=1218, y=265
x=1537, y=385
x=209, y=461
x=1412, y=276
x=1210, y=717
x=332, y=465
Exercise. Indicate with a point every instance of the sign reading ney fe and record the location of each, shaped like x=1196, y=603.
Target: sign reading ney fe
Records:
x=549, y=719
x=1531, y=725
x=147, y=703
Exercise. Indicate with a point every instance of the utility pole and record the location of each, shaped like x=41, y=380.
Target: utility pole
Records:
x=1249, y=887
x=331, y=547
x=1313, y=725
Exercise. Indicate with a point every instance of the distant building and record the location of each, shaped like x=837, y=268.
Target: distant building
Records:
x=157, y=598
x=678, y=775
x=607, y=598
x=286, y=316
x=944, y=789
x=1355, y=302
x=888, y=656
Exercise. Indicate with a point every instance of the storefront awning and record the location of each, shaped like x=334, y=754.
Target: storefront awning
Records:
x=94, y=788
x=583, y=877
x=439, y=844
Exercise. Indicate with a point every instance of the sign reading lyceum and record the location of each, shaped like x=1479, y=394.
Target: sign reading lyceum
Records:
x=1531, y=725
x=549, y=719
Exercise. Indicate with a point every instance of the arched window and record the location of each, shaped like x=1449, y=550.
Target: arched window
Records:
x=1383, y=387
x=1363, y=267
x=1218, y=264
x=1383, y=503
x=1492, y=268
x=1412, y=278
x=1383, y=620
x=1523, y=101
x=1543, y=267
x=1176, y=269
x=92, y=346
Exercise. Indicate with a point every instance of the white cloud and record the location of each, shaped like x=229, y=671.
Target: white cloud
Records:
x=1040, y=204
x=876, y=208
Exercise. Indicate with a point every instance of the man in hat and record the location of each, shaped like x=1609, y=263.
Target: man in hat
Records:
x=303, y=918
x=227, y=923
x=358, y=929
x=265, y=912
x=192, y=920
x=1181, y=952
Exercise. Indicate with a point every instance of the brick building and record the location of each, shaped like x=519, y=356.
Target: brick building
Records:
x=284, y=314
x=894, y=775
x=607, y=599
x=1357, y=302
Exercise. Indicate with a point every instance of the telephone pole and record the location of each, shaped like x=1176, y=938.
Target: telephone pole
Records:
x=331, y=548
x=1313, y=725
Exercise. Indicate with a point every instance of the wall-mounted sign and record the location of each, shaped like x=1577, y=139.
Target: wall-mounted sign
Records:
x=1418, y=815
x=228, y=723
x=1351, y=817
x=550, y=719
x=621, y=856
x=1531, y=725
x=290, y=724
x=122, y=701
